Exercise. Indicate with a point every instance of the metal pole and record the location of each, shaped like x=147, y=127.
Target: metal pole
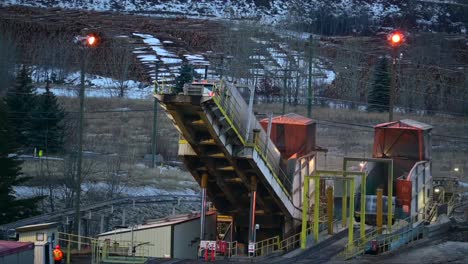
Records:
x=351, y=215
x=80, y=142
x=344, y=199
x=390, y=196
x=310, y=93
x=249, y=113
x=253, y=200
x=155, y=118
x=206, y=72
x=330, y=209
x=285, y=84
x=268, y=134
x=379, y=210
x=392, y=85
x=68, y=249
x=316, y=207
x=363, y=206
x=305, y=210
x=133, y=251
x=204, y=183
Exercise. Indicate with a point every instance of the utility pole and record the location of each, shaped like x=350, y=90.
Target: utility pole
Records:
x=86, y=43
x=392, y=87
x=79, y=159
x=155, y=117
x=396, y=39
x=310, y=93
x=285, y=84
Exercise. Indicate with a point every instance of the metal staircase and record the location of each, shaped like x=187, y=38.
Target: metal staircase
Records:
x=221, y=139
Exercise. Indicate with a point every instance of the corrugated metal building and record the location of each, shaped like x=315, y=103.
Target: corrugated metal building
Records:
x=172, y=237
x=16, y=252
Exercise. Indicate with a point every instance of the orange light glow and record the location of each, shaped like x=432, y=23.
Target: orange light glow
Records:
x=396, y=38
x=91, y=40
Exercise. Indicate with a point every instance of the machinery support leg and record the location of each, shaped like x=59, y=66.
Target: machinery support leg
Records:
x=253, y=200
x=316, y=208
x=363, y=207
x=379, y=210
x=330, y=209
x=390, y=200
x=204, y=183
x=351, y=215
x=305, y=210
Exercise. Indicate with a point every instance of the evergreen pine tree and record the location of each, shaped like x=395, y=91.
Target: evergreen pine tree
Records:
x=379, y=95
x=11, y=209
x=21, y=101
x=186, y=76
x=47, y=123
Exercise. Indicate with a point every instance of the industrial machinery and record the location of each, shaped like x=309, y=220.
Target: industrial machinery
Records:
x=405, y=146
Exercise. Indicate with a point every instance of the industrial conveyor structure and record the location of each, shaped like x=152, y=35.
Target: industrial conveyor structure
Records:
x=237, y=165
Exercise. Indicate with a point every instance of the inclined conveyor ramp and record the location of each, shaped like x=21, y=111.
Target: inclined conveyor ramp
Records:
x=222, y=141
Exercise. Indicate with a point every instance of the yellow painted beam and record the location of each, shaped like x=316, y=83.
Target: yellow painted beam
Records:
x=363, y=206
x=305, y=212
x=351, y=215
x=330, y=209
x=379, y=210
x=316, y=208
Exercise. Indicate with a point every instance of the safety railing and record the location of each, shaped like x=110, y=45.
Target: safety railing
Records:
x=362, y=244
x=267, y=246
x=451, y=205
x=274, y=244
x=399, y=238
x=226, y=99
x=73, y=244
x=232, y=248
x=113, y=251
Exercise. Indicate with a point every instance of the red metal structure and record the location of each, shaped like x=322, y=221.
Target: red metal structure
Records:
x=408, y=144
x=292, y=134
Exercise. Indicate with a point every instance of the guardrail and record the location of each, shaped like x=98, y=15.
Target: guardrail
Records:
x=361, y=244
x=225, y=99
x=232, y=248
x=274, y=244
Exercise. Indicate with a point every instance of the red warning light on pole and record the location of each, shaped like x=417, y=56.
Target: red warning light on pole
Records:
x=396, y=39
x=91, y=40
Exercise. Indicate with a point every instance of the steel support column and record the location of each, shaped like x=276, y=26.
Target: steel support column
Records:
x=316, y=208
x=334, y=175
x=305, y=209
x=204, y=183
x=330, y=209
x=253, y=200
x=379, y=210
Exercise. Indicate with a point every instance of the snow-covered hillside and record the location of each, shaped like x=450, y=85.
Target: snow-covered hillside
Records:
x=426, y=13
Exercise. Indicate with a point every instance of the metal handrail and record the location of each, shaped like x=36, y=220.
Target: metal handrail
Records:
x=266, y=246
x=232, y=115
x=359, y=245
x=232, y=245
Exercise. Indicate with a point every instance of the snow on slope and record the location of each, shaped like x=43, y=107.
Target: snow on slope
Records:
x=268, y=11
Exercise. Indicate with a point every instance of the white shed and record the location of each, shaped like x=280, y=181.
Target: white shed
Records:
x=171, y=237
x=44, y=236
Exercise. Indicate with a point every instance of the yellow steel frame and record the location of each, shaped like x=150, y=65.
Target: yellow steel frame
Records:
x=335, y=175
x=389, y=190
